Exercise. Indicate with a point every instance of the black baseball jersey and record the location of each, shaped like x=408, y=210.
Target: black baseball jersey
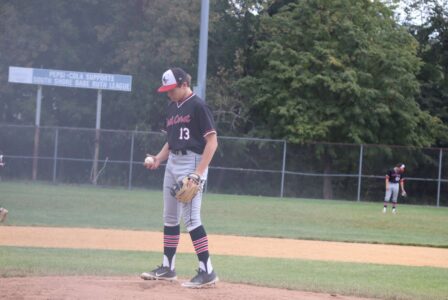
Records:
x=187, y=123
x=394, y=176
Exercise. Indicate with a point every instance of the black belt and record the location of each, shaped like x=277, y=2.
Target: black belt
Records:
x=179, y=152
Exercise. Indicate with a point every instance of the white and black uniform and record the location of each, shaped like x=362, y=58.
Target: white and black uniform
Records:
x=187, y=124
x=394, y=177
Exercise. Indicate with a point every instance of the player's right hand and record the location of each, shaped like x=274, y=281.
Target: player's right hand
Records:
x=154, y=165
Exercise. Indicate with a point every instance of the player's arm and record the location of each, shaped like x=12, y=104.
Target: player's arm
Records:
x=387, y=182
x=211, y=144
x=163, y=153
x=159, y=158
x=403, y=192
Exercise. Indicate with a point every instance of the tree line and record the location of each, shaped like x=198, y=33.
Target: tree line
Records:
x=305, y=70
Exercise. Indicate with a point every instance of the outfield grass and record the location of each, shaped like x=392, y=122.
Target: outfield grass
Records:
x=39, y=204
x=86, y=206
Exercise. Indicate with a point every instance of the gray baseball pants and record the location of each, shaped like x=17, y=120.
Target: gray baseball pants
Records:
x=179, y=166
x=393, y=191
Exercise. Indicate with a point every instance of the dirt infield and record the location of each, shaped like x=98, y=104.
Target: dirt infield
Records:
x=95, y=288
x=87, y=238
x=134, y=288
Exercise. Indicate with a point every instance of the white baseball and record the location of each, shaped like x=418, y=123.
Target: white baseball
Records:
x=149, y=160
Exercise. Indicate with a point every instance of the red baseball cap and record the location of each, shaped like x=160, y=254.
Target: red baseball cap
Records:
x=171, y=79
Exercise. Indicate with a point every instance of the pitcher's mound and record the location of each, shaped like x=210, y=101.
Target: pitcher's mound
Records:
x=92, y=287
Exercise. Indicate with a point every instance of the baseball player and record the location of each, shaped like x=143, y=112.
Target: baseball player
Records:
x=394, y=181
x=191, y=144
x=3, y=211
x=3, y=214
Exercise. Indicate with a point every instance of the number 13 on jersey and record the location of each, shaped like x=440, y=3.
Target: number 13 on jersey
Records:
x=184, y=133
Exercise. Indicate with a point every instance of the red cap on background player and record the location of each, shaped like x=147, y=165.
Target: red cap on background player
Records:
x=172, y=78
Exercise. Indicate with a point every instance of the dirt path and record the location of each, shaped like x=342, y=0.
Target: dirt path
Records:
x=89, y=287
x=50, y=237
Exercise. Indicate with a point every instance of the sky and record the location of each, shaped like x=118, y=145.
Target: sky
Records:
x=418, y=15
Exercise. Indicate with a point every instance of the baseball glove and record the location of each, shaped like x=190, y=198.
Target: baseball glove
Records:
x=185, y=190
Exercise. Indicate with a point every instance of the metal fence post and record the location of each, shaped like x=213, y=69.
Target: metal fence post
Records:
x=37, y=132
x=439, y=179
x=361, y=151
x=283, y=170
x=131, y=161
x=99, y=101
x=55, y=154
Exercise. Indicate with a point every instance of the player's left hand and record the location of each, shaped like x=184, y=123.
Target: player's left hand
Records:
x=186, y=189
x=404, y=194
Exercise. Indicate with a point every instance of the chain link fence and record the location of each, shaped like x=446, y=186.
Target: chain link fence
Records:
x=245, y=166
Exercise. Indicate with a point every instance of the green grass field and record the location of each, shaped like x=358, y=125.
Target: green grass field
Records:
x=38, y=204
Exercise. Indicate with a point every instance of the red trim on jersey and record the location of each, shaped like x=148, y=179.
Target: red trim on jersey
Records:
x=209, y=132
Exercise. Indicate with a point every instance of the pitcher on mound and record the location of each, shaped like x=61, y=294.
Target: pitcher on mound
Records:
x=189, y=149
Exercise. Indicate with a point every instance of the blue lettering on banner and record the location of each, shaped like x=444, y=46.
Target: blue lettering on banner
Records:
x=104, y=81
x=82, y=83
x=118, y=86
x=42, y=80
x=63, y=82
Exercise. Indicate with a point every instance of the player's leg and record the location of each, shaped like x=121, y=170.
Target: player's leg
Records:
x=171, y=232
x=395, y=198
x=3, y=214
x=191, y=213
x=205, y=274
x=387, y=198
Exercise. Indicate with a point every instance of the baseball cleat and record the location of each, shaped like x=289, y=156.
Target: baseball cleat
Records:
x=3, y=214
x=201, y=280
x=384, y=210
x=394, y=211
x=160, y=273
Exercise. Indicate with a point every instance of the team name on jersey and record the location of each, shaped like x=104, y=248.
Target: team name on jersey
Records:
x=178, y=119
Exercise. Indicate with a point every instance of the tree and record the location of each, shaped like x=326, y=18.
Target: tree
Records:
x=52, y=35
x=432, y=34
x=141, y=38
x=233, y=25
x=337, y=70
x=154, y=36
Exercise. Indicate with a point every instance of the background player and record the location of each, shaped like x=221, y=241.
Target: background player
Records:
x=191, y=144
x=3, y=211
x=394, y=180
